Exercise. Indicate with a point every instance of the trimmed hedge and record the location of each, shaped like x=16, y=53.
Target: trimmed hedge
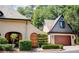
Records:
x=25, y=45
x=3, y=41
x=42, y=39
x=51, y=46
x=6, y=47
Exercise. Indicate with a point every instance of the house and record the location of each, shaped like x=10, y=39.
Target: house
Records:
x=59, y=32
x=13, y=22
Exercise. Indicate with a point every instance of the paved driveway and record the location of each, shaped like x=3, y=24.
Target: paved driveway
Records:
x=71, y=49
x=67, y=49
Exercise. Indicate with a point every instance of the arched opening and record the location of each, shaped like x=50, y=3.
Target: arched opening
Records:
x=34, y=39
x=16, y=39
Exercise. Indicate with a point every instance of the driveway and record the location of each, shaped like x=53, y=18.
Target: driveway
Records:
x=71, y=49
x=67, y=49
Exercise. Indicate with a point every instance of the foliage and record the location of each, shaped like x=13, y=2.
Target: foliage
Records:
x=51, y=46
x=77, y=40
x=3, y=41
x=13, y=36
x=38, y=17
x=6, y=47
x=42, y=39
x=25, y=45
x=26, y=11
x=42, y=12
x=9, y=47
x=1, y=48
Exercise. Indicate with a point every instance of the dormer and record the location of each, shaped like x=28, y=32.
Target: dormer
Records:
x=1, y=13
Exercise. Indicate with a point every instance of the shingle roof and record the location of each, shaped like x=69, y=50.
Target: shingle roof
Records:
x=56, y=27
x=53, y=26
x=50, y=23
x=10, y=13
x=55, y=21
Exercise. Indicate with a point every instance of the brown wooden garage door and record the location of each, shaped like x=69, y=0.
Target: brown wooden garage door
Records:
x=65, y=40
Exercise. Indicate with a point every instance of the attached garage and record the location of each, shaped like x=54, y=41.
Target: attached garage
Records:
x=59, y=31
x=65, y=40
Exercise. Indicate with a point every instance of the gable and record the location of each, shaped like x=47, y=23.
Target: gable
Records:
x=47, y=25
x=57, y=28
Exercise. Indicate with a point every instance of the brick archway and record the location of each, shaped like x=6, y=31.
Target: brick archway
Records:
x=16, y=42
x=34, y=39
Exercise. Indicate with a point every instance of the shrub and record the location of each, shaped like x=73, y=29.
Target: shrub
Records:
x=77, y=40
x=25, y=45
x=61, y=46
x=1, y=48
x=42, y=39
x=9, y=47
x=3, y=41
x=6, y=47
x=51, y=46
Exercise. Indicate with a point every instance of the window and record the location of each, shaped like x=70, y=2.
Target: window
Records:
x=73, y=37
x=1, y=13
x=62, y=24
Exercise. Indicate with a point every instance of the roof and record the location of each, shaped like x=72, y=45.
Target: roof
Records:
x=55, y=21
x=10, y=13
x=49, y=23
x=53, y=26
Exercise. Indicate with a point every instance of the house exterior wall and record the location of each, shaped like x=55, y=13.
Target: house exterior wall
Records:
x=23, y=27
x=45, y=28
x=51, y=38
x=32, y=29
x=13, y=26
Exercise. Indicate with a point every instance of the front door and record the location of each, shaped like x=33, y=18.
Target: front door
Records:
x=34, y=38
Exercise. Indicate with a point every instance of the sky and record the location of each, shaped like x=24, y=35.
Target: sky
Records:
x=16, y=6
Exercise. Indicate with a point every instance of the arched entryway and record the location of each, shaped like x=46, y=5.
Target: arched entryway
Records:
x=34, y=39
x=16, y=40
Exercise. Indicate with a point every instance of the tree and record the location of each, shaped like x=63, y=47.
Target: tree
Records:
x=45, y=12
x=71, y=15
x=42, y=12
x=26, y=11
x=38, y=17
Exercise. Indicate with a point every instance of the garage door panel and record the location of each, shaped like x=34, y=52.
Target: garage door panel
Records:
x=65, y=40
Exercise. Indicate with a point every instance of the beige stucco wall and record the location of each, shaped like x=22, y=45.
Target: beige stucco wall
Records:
x=45, y=28
x=24, y=27
x=13, y=26
x=51, y=38
x=32, y=29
